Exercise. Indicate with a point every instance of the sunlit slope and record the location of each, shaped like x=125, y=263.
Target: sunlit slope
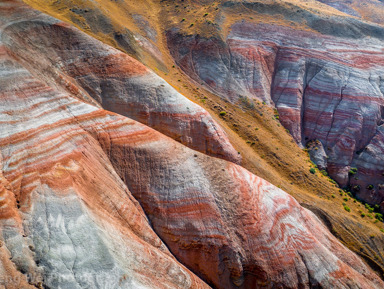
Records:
x=369, y=10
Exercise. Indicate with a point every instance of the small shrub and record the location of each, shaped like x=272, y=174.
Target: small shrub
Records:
x=324, y=172
x=348, y=209
x=362, y=215
x=356, y=188
x=353, y=171
x=369, y=208
x=333, y=196
x=379, y=217
x=312, y=171
x=246, y=102
x=370, y=187
x=345, y=199
x=223, y=113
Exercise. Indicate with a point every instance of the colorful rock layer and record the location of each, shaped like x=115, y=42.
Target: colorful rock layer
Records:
x=324, y=77
x=93, y=199
x=99, y=74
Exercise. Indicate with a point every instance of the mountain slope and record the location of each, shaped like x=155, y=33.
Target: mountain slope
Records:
x=325, y=87
x=115, y=81
x=247, y=68
x=67, y=219
x=70, y=172
x=369, y=10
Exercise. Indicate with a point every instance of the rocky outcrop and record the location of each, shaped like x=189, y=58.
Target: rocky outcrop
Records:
x=325, y=83
x=99, y=74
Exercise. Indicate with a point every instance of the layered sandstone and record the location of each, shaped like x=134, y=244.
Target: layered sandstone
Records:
x=324, y=78
x=92, y=71
x=70, y=169
x=67, y=219
x=93, y=199
x=370, y=10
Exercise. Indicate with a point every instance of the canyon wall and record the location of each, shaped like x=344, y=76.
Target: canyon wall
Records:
x=324, y=76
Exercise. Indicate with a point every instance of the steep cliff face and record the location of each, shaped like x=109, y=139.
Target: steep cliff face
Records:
x=324, y=78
